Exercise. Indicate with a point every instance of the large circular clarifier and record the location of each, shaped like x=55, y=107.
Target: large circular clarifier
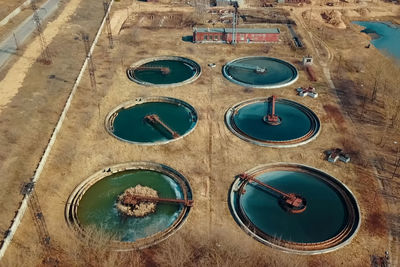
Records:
x=94, y=203
x=260, y=72
x=330, y=219
x=296, y=124
x=153, y=120
x=164, y=71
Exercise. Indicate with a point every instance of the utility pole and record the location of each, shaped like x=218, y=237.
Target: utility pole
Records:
x=16, y=42
x=234, y=22
x=40, y=223
x=85, y=38
x=45, y=57
x=108, y=25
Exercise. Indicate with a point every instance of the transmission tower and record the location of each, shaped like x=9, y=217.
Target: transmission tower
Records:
x=45, y=57
x=234, y=21
x=108, y=25
x=40, y=224
x=85, y=38
x=37, y=214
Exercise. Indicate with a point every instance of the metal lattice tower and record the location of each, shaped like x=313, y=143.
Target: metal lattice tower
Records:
x=45, y=57
x=108, y=25
x=37, y=214
x=85, y=38
x=234, y=21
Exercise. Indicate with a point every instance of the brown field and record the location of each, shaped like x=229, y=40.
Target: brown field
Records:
x=211, y=156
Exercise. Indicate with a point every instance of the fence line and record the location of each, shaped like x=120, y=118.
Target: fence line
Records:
x=24, y=204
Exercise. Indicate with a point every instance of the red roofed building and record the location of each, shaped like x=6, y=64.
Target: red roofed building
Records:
x=243, y=35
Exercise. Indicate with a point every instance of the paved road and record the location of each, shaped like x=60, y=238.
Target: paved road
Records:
x=9, y=47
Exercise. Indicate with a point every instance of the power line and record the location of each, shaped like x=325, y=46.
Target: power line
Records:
x=45, y=56
x=85, y=38
x=108, y=25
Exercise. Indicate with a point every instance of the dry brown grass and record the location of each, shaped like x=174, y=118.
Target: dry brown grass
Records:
x=210, y=157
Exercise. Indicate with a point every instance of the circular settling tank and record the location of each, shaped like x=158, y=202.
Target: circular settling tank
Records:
x=260, y=72
x=153, y=120
x=164, y=71
x=328, y=220
x=94, y=203
x=294, y=125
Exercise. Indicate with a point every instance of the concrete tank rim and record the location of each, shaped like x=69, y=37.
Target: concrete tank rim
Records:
x=116, y=168
x=248, y=231
x=166, y=57
x=142, y=100
x=290, y=65
x=269, y=143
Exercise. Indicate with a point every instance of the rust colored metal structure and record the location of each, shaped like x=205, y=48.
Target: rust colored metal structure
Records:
x=311, y=73
x=136, y=199
x=154, y=119
x=271, y=118
x=291, y=202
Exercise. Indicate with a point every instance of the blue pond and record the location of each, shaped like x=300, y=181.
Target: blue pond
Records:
x=387, y=36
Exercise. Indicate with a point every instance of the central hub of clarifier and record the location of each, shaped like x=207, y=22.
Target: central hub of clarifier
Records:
x=295, y=208
x=273, y=122
x=260, y=72
x=139, y=204
x=130, y=204
x=164, y=71
x=271, y=118
x=152, y=120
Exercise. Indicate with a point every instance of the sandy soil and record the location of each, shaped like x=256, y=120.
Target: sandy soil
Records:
x=211, y=156
x=8, y=6
x=28, y=119
x=351, y=69
x=16, y=75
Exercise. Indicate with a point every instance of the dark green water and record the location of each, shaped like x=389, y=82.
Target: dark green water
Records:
x=97, y=206
x=324, y=217
x=131, y=125
x=278, y=72
x=179, y=72
x=295, y=123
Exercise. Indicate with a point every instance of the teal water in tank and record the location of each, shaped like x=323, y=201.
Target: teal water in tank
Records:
x=277, y=71
x=98, y=205
x=179, y=72
x=324, y=217
x=387, y=36
x=295, y=123
x=130, y=123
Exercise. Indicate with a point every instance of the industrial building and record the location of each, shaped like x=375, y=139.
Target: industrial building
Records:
x=243, y=35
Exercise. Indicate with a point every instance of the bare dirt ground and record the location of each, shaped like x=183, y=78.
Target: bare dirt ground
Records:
x=31, y=102
x=8, y=6
x=210, y=157
x=356, y=71
x=7, y=29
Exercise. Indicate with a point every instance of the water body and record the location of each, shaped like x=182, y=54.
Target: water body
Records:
x=98, y=205
x=131, y=125
x=295, y=122
x=178, y=71
x=325, y=216
x=263, y=72
x=386, y=36
x=9, y=47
